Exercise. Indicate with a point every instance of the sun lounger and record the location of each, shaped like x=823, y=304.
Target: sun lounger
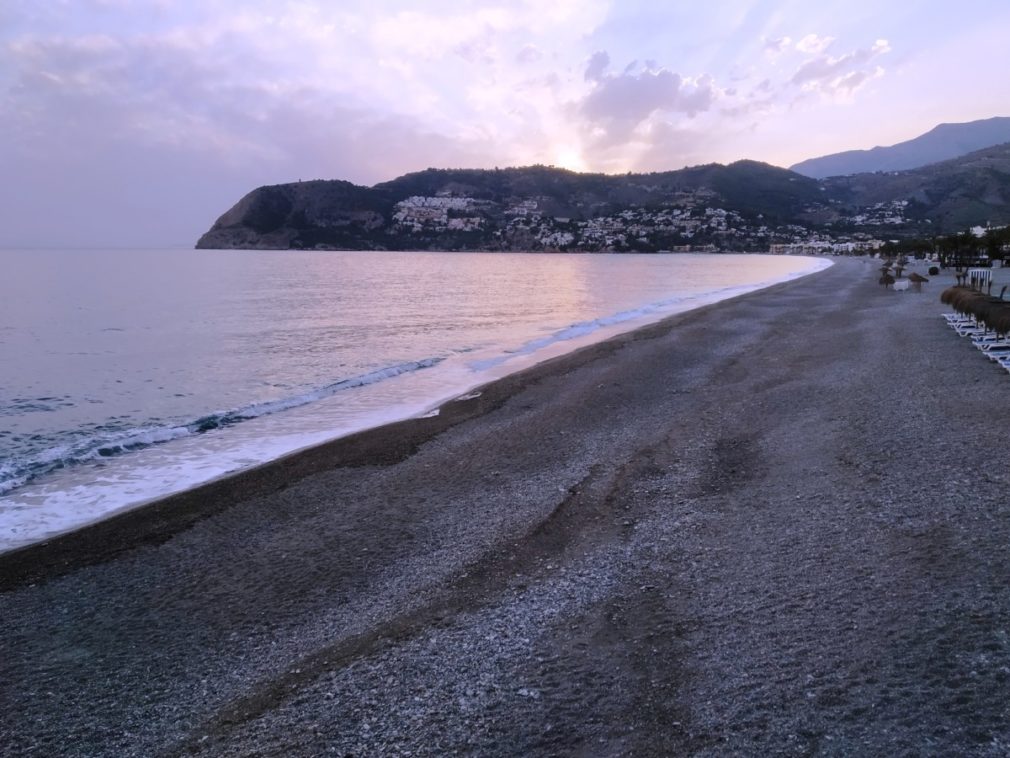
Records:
x=961, y=321
x=984, y=345
x=989, y=339
x=995, y=353
x=995, y=347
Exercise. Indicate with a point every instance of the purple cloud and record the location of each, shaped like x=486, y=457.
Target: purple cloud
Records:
x=151, y=134
x=844, y=73
x=619, y=102
x=598, y=63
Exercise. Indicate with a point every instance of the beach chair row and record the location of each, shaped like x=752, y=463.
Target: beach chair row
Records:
x=993, y=346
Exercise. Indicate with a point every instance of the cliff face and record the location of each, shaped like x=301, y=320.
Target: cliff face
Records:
x=743, y=206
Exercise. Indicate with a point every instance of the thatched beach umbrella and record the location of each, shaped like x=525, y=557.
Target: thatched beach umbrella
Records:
x=981, y=309
x=970, y=306
x=917, y=280
x=958, y=297
x=989, y=312
x=954, y=295
x=998, y=319
x=964, y=300
x=947, y=296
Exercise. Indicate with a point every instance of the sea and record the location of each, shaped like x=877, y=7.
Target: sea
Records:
x=128, y=375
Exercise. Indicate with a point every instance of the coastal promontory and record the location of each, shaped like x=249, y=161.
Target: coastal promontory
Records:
x=747, y=206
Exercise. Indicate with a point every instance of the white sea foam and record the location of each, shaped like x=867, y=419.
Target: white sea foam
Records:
x=76, y=496
x=16, y=473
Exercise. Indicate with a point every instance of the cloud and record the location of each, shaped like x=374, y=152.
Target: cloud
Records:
x=476, y=52
x=856, y=79
x=640, y=116
x=617, y=103
x=841, y=75
x=775, y=47
x=99, y=89
x=814, y=44
x=213, y=98
x=144, y=141
x=529, y=54
x=669, y=147
x=433, y=32
x=598, y=63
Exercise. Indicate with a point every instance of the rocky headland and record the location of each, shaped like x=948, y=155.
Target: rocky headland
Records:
x=746, y=206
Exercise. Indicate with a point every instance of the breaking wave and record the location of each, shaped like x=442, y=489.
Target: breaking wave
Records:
x=105, y=443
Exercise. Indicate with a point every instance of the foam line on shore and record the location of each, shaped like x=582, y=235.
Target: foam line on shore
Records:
x=109, y=443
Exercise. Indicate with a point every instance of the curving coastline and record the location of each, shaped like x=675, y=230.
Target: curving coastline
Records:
x=772, y=525
x=401, y=344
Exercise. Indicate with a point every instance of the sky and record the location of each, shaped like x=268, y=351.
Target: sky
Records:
x=139, y=122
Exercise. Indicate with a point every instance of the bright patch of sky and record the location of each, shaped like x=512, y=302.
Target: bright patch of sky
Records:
x=136, y=122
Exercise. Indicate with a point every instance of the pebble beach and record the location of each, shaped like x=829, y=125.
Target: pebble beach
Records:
x=777, y=525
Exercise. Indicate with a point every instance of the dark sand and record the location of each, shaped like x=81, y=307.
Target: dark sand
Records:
x=775, y=526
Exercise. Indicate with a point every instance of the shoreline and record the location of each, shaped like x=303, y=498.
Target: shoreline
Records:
x=769, y=526
x=160, y=524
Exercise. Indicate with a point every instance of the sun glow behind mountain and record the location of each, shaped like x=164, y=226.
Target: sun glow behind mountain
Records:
x=570, y=157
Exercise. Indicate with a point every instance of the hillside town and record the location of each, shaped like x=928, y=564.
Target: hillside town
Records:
x=746, y=206
x=690, y=224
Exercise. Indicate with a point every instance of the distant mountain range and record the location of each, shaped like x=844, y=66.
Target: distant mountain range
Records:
x=945, y=197
x=944, y=142
x=743, y=206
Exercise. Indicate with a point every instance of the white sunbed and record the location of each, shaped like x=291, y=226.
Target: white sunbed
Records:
x=989, y=337
x=957, y=318
x=996, y=352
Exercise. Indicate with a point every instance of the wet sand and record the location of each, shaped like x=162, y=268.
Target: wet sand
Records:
x=777, y=525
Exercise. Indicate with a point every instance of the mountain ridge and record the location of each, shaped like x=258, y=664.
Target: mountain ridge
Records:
x=942, y=142
x=746, y=205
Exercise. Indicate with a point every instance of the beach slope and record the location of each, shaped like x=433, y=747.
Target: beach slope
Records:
x=776, y=525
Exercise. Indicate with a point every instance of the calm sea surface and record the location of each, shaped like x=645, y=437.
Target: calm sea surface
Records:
x=129, y=374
